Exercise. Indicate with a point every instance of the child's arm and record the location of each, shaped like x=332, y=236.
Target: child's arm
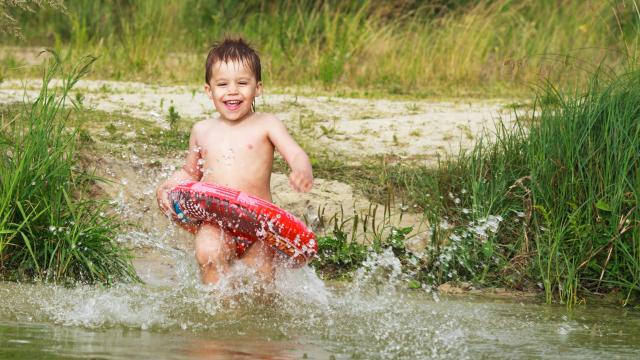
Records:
x=301, y=177
x=189, y=171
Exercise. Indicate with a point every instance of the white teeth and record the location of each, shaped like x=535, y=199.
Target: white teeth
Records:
x=233, y=102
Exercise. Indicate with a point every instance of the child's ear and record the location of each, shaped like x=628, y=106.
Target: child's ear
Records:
x=208, y=90
x=258, y=88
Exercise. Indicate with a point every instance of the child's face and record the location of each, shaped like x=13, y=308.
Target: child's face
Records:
x=232, y=89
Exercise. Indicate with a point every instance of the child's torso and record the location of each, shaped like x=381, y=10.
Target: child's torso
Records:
x=237, y=155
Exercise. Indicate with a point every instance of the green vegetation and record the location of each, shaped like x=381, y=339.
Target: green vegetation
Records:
x=346, y=241
x=444, y=47
x=555, y=200
x=120, y=134
x=552, y=203
x=51, y=227
x=173, y=118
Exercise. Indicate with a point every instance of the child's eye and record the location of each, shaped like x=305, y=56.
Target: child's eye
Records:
x=222, y=84
x=243, y=83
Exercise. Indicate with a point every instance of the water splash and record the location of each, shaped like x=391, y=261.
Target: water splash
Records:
x=228, y=156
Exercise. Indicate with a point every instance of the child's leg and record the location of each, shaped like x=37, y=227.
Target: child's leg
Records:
x=214, y=251
x=259, y=256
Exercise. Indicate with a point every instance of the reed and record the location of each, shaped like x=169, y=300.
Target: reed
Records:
x=49, y=227
x=585, y=184
x=451, y=48
x=553, y=202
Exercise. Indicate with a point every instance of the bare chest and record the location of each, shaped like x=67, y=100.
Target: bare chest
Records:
x=234, y=147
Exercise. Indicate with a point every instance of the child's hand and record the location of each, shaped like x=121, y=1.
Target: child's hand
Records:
x=301, y=181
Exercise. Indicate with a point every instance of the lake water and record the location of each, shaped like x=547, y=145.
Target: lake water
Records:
x=373, y=317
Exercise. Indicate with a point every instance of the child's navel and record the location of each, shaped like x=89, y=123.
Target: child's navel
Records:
x=250, y=146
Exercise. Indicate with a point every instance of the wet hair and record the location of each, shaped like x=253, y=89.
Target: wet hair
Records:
x=231, y=49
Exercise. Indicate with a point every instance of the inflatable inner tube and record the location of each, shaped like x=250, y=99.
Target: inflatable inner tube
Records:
x=245, y=217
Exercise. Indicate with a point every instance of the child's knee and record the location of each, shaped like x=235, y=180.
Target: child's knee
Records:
x=208, y=253
x=211, y=247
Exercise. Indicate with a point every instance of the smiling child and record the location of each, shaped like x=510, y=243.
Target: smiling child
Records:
x=235, y=149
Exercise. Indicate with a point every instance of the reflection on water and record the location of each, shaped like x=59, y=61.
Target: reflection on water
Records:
x=37, y=341
x=298, y=317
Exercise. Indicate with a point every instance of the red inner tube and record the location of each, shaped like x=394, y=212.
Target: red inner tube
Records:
x=247, y=218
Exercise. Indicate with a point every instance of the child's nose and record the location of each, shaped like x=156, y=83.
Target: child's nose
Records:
x=233, y=88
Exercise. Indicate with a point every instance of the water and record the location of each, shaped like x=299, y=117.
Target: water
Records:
x=373, y=317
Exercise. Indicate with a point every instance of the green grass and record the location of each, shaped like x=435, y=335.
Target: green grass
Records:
x=50, y=227
x=342, y=251
x=552, y=203
x=585, y=187
x=458, y=48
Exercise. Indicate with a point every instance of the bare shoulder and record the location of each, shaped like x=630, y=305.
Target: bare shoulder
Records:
x=201, y=128
x=269, y=121
x=265, y=117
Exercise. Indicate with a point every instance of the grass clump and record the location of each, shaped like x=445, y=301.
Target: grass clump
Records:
x=50, y=227
x=346, y=242
x=173, y=117
x=553, y=202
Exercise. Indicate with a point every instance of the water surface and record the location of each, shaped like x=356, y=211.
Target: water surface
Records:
x=375, y=317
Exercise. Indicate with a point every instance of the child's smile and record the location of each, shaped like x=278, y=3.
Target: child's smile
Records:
x=232, y=105
x=233, y=88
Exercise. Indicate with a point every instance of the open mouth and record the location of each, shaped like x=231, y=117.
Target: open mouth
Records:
x=232, y=104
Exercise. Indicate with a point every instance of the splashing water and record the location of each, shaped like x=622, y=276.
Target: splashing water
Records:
x=374, y=316
x=228, y=157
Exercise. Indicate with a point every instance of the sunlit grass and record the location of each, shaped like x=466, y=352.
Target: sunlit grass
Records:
x=470, y=48
x=50, y=228
x=553, y=203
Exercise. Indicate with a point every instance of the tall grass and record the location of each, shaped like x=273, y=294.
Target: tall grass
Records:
x=451, y=47
x=554, y=202
x=593, y=210
x=49, y=227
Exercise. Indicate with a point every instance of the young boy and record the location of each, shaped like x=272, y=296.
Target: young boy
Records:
x=235, y=149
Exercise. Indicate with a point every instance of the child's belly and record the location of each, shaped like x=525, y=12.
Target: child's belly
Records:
x=244, y=168
x=257, y=186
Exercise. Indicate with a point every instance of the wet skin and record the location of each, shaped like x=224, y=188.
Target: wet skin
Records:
x=236, y=149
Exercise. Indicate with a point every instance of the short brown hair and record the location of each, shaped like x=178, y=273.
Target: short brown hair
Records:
x=231, y=49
